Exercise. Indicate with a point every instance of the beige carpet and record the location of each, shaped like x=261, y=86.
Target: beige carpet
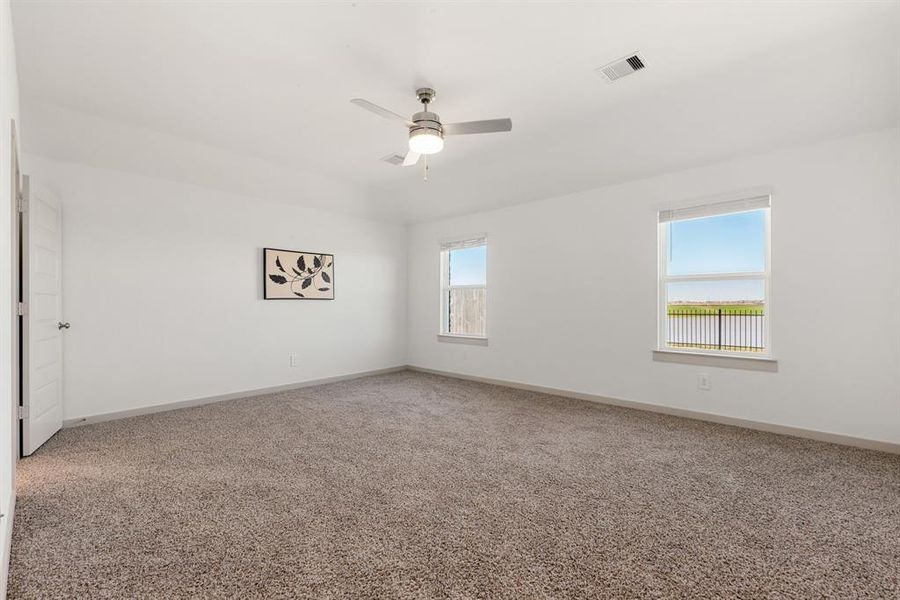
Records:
x=416, y=486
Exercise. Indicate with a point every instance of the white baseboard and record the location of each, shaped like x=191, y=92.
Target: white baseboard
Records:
x=146, y=410
x=6, y=529
x=812, y=434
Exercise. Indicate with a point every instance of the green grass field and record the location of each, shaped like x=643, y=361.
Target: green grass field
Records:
x=713, y=309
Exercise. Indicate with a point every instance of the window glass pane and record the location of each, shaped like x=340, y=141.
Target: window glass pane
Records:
x=716, y=315
x=734, y=243
x=467, y=309
x=738, y=292
x=468, y=266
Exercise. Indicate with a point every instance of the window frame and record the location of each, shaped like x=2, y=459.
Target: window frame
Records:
x=447, y=246
x=663, y=278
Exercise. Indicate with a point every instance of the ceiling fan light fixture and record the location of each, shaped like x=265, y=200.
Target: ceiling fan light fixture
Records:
x=425, y=141
x=426, y=132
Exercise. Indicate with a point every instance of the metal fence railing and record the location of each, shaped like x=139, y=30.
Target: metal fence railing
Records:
x=735, y=329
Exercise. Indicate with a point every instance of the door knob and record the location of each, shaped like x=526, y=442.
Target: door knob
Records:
x=62, y=325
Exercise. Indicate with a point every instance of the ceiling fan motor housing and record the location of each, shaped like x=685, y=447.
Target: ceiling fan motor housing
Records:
x=427, y=120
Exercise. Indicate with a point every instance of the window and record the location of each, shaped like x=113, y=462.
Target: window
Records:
x=714, y=281
x=464, y=287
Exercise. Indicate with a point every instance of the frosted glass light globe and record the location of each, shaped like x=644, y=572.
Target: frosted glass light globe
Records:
x=426, y=141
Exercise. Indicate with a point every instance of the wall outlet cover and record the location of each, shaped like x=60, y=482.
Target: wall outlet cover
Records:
x=703, y=381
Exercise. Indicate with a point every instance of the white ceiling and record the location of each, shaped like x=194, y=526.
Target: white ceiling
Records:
x=252, y=97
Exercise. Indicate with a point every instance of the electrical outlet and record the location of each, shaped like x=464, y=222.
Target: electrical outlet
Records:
x=703, y=382
x=295, y=360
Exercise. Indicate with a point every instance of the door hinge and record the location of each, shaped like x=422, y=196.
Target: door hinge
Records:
x=21, y=309
x=23, y=412
x=21, y=202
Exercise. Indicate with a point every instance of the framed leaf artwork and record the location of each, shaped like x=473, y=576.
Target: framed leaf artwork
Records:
x=295, y=275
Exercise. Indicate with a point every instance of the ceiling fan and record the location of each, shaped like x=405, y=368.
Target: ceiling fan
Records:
x=426, y=132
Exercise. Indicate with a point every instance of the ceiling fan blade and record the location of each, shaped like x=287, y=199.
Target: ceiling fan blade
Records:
x=381, y=112
x=411, y=159
x=489, y=126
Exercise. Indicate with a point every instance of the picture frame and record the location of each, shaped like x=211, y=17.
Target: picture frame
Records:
x=297, y=275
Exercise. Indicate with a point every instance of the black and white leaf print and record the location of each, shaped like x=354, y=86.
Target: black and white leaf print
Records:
x=303, y=275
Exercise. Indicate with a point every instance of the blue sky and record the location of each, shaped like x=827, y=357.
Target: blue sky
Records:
x=733, y=243
x=726, y=243
x=467, y=266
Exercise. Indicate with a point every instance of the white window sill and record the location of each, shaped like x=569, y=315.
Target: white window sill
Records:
x=715, y=359
x=453, y=338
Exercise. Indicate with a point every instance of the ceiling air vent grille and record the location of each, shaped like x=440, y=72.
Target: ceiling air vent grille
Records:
x=393, y=159
x=622, y=67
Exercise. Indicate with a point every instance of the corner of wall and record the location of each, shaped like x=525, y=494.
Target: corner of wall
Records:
x=407, y=359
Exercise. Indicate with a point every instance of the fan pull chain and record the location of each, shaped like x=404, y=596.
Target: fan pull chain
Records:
x=425, y=169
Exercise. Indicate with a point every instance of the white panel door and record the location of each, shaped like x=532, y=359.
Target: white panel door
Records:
x=42, y=326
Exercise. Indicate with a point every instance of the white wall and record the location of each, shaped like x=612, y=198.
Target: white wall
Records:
x=162, y=285
x=9, y=111
x=572, y=291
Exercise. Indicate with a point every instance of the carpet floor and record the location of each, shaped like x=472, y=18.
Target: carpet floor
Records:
x=417, y=486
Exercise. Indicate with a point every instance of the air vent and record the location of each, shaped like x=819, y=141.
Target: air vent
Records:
x=622, y=67
x=393, y=159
